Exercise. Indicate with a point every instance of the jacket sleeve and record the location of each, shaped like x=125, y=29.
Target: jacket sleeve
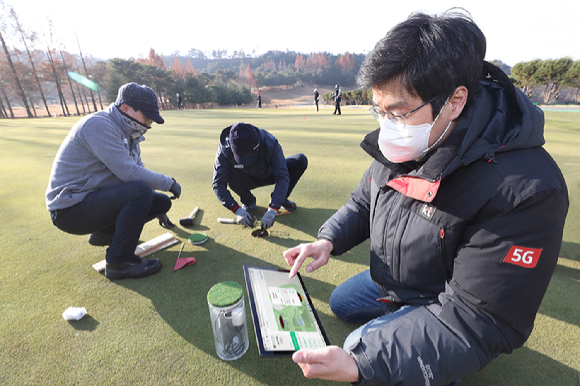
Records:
x=221, y=170
x=501, y=272
x=350, y=225
x=102, y=139
x=281, y=176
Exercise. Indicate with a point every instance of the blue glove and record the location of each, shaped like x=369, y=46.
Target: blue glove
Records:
x=268, y=219
x=244, y=217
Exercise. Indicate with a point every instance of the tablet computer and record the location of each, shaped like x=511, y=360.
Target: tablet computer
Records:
x=284, y=318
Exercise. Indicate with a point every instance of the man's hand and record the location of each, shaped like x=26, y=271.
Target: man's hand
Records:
x=268, y=218
x=165, y=222
x=331, y=363
x=319, y=251
x=244, y=217
x=175, y=189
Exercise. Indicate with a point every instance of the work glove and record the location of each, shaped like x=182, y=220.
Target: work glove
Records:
x=244, y=217
x=175, y=189
x=165, y=222
x=268, y=219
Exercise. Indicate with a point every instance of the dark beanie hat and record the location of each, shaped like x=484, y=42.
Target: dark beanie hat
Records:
x=245, y=143
x=140, y=98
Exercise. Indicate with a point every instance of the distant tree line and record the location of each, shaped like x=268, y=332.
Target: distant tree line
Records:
x=550, y=77
x=33, y=72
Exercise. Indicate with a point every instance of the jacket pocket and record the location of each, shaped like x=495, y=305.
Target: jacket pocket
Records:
x=418, y=253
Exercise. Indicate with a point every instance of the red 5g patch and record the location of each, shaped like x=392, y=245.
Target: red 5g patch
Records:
x=522, y=256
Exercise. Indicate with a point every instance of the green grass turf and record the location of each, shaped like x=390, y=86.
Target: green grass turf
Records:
x=156, y=330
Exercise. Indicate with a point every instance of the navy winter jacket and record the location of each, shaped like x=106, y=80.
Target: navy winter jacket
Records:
x=270, y=160
x=471, y=235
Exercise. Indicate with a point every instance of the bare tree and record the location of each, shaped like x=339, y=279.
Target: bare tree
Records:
x=2, y=110
x=2, y=89
x=82, y=89
x=19, y=89
x=86, y=72
x=70, y=84
x=54, y=69
x=57, y=82
x=31, y=36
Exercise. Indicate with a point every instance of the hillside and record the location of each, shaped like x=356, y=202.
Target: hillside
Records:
x=300, y=95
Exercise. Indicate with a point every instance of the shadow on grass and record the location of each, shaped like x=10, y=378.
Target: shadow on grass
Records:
x=180, y=298
x=561, y=299
x=523, y=367
x=570, y=251
x=184, y=232
x=87, y=323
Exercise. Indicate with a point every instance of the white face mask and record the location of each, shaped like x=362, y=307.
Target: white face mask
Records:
x=406, y=144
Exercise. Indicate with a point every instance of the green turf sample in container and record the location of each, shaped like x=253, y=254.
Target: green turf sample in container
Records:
x=225, y=294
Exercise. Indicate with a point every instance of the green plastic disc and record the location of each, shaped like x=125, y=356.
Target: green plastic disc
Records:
x=198, y=238
x=225, y=294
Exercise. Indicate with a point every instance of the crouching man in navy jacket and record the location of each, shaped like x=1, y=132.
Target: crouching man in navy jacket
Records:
x=248, y=158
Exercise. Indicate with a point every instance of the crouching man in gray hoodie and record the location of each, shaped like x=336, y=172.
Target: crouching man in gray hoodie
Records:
x=99, y=186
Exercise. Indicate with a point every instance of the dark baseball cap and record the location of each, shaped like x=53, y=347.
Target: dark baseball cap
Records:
x=140, y=98
x=245, y=143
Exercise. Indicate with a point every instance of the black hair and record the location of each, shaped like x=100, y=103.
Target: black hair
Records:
x=430, y=55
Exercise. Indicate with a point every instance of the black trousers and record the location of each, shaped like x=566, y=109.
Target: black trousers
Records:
x=242, y=184
x=337, y=108
x=120, y=211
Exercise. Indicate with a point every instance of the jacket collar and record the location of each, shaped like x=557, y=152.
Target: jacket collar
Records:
x=499, y=118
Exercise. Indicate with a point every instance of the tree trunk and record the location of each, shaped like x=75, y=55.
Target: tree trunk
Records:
x=161, y=99
x=35, y=76
x=81, y=98
x=529, y=90
x=7, y=102
x=551, y=93
x=70, y=85
x=83, y=91
x=58, y=88
x=32, y=104
x=16, y=79
x=87, y=75
x=100, y=101
x=3, y=113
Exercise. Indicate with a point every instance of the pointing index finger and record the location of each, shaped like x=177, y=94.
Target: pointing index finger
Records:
x=298, y=262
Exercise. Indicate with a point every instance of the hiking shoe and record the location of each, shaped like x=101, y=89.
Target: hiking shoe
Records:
x=135, y=268
x=289, y=205
x=99, y=239
x=250, y=207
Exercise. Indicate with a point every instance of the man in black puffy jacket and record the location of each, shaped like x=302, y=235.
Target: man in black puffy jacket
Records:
x=248, y=158
x=463, y=207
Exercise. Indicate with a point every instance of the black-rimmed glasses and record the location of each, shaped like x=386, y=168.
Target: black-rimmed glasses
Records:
x=395, y=117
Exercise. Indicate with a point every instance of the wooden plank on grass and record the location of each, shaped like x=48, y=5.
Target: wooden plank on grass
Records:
x=145, y=249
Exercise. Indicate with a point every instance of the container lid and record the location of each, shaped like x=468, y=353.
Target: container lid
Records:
x=225, y=294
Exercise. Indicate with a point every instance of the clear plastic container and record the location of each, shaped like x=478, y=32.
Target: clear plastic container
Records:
x=228, y=319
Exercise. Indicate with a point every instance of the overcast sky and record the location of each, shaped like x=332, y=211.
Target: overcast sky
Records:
x=516, y=31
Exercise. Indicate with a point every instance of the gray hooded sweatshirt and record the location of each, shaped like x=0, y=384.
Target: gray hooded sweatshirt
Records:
x=98, y=153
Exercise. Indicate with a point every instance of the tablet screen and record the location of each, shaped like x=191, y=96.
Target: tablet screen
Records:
x=284, y=318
